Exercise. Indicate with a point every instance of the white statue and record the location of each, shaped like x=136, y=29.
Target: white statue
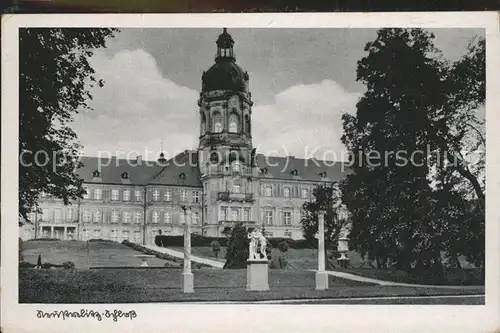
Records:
x=256, y=238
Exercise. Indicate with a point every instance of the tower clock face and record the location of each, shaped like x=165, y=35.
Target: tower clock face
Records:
x=233, y=101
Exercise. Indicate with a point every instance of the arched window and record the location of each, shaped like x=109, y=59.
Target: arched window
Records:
x=203, y=124
x=217, y=128
x=233, y=123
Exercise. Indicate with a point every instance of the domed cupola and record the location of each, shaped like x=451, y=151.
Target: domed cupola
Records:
x=225, y=74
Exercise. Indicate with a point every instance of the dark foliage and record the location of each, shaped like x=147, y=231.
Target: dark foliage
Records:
x=237, y=248
x=405, y=201
x=55, y=78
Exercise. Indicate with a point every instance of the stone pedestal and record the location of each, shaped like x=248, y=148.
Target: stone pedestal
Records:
x=321, y=280
x=257, y=275
x=187, y=282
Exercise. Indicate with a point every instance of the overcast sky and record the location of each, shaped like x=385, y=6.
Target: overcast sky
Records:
x=302, y=81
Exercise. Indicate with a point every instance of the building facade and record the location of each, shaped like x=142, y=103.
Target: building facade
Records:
x=223, y=182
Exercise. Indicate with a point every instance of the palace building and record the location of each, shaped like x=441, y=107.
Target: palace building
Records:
x=224, y=181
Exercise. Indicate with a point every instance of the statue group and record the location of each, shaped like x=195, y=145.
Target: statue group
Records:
x=257, y=247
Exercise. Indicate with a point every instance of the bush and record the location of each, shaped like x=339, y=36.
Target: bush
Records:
x=237, y=248
x=283, y=246
x=215, y=248
x=25, y=264
x=101, y=240
x=44, y=239
x=68, y=265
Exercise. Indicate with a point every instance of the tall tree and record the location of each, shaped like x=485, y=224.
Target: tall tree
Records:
x=414, y=121
x=237, y=247
x=326, y=198
x=397, y=126
x=55, y=80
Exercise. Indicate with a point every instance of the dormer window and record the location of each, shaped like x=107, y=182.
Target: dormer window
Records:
x=264, y=170
x=322, y=174
x=125, y=175
x=96, y=174
x=295, y=172
x=182, y=176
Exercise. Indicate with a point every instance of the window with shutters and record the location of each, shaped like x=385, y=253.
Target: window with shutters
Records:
x=127, y=217
x=156, y=195
x=137, y=236
x=168, y=195
x=114, y=216
x=156, y=217
x=115, y=195
x=126, y=195
x=97, y=194
x=138, y=195
x=69, y=214
x=183, y=195
x=168, y=217
x=305, y=193
x=286, y=192
x=138, y=217
x=86, y=215
x=236, y=188
x=196, y=196
x=96, y=216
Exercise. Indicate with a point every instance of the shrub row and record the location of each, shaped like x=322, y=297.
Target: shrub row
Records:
x=198, y=240
x=178, y=261
x=65, y=265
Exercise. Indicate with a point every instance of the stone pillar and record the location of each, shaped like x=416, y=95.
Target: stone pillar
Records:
x=187, y=275
x=51, y=232
x=321, y=275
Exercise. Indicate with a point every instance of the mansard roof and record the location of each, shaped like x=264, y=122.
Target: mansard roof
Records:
x=180, y=170
x=293, y=168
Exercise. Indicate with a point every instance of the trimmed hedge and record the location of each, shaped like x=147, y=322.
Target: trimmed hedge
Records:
x=198, y=240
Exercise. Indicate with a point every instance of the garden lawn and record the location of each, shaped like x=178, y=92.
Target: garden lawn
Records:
x=300, y=259
x=163, y=285
x=452, y=276
x=85, y=254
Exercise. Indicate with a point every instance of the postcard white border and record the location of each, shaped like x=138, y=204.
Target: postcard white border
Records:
x=176, y=317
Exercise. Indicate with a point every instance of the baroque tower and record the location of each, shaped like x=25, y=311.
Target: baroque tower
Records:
x=225, y=151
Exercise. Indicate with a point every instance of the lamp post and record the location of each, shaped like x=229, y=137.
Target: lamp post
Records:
x=187, y=275
x=321, y=275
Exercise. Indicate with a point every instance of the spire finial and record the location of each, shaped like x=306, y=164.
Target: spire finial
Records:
x=224, y=30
